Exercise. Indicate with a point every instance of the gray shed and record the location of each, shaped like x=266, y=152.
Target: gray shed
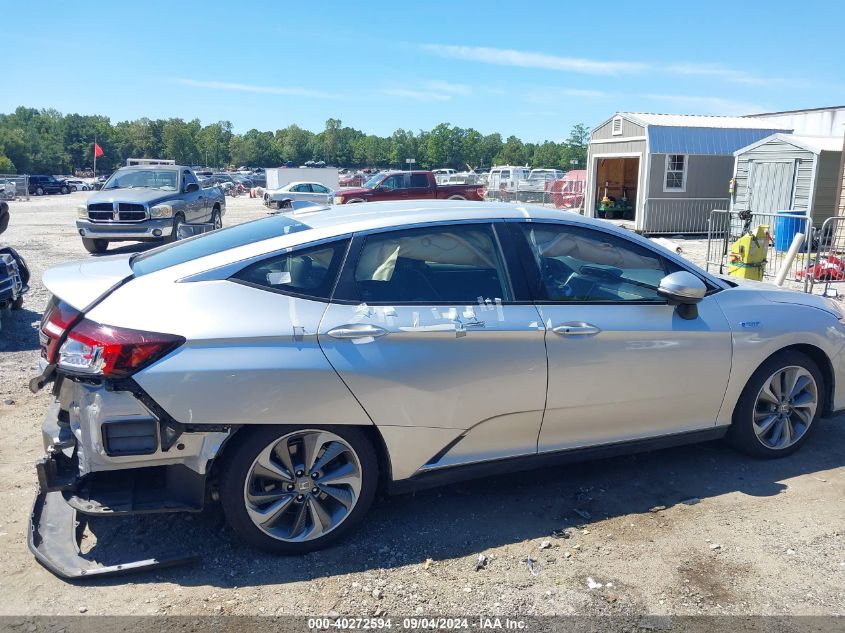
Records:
x=789, y=172
x=666, y=172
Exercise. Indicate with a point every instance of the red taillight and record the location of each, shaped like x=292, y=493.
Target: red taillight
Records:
x=113, y=352
x=58, y=317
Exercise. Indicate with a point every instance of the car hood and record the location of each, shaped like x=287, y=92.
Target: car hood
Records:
x=777, y=294
x=80, y=284
x=140, y=195
x=352, y=191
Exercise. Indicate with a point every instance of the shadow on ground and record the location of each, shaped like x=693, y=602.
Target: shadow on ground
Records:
x=470, y=518
x=16, y=331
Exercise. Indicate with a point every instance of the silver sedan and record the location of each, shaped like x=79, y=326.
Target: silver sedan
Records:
x=293, y=365
x=314, y=192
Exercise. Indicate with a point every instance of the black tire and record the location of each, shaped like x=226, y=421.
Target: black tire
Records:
x=17, y=304
x=216, y=219
x=235, y=469
x=65, y=190
x=741, y=433
x=95, y=246
x=39, y=191
x=174, y=234
x=73, y=188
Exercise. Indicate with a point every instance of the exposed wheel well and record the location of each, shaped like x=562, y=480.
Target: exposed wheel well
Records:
x=456, y=197
x=819, y=358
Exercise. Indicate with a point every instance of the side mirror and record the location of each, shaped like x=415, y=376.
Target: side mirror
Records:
x=192, y=187
x=684, y=290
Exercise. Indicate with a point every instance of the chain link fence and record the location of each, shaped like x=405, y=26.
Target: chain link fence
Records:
x=14, y=187
x=565, y=193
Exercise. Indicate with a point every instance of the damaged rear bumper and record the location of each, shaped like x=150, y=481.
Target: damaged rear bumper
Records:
x=55, y=534
x=96, y=464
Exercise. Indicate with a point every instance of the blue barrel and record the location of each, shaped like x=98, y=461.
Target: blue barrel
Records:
x=786, y=227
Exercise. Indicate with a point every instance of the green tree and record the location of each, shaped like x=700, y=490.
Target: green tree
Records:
x=513, y=152
x=7, y=166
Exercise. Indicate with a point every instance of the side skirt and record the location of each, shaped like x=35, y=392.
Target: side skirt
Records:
x=452, y=474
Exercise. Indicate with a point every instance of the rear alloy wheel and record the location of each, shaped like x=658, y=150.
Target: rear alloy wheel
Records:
x=217, y=219
x=39, y=191
x=291, y=491
x=95, y=246
x=65, y=190
x=779, y=406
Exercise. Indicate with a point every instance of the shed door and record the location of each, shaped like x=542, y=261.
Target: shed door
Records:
x=771, y=186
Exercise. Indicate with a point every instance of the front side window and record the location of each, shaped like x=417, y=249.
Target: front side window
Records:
x=583, y=265
x=311, y=272
x=676, y=172
x=319, y=188
x=397, y=181
x=442, y=265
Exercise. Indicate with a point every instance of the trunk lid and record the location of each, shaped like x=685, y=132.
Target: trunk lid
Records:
x=80, y=284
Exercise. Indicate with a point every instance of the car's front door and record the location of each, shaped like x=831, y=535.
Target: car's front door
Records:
x=394, y=187
x=195, y=202
x=623, y=364
x=425, y=331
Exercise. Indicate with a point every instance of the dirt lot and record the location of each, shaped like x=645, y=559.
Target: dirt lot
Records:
x=737, y=536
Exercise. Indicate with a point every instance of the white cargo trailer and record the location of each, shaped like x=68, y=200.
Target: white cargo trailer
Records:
x=281, y=176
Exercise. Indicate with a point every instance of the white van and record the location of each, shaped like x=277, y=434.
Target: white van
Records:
x=505, y=178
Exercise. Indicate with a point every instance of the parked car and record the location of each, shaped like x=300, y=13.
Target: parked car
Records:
x=14, y=273
x=300, y=191
x=352, y=180
x=405, y=185
x=147, y=203
x=40, y=185
x=292, y=365
x=78, y=185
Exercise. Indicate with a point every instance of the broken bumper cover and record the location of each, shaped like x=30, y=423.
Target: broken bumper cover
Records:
x=79, y=478
x=55, y=534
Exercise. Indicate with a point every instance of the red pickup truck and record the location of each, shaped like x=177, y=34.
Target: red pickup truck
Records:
x=406, y=185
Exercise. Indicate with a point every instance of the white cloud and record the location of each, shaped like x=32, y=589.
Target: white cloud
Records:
x=448, y=87
x=292, y=91
x=718, y=71
x=529, y=59
x=416, y=95
x=710, y=105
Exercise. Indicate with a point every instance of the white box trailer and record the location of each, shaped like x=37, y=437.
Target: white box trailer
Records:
x=281, y=176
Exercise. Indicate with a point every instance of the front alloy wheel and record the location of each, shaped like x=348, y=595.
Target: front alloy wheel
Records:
x=778, y=409
x=297, y=490
x=785, y=407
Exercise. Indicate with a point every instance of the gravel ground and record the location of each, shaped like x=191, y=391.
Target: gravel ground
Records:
x=695, y=530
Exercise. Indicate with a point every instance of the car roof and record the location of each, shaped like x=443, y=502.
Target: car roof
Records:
x=351, y=218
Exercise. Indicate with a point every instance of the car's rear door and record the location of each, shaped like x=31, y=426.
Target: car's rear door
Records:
x=623, y=364
x=427, y=330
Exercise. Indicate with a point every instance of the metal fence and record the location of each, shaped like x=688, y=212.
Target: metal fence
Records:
x=726, y=227
x=565, y=194
x=826, y=266
x=14, y=187
x=679, y=215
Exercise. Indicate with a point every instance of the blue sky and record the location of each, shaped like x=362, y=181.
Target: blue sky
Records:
x=527, y=68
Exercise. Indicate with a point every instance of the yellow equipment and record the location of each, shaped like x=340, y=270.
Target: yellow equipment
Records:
x=748, y=255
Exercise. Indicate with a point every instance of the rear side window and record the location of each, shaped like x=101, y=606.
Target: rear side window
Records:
x=214, y=242
x=436, y=265
x=419, y=180
x=309, y=272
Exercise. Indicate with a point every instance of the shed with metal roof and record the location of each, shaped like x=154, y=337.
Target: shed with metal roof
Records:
x=789, y=172
x=666, y=172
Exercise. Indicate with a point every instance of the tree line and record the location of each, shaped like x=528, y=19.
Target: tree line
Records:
x=46, y=141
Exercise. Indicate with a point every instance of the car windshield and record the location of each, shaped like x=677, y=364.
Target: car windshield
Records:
x=374, y=181
x=164, y=179
x=214, y=242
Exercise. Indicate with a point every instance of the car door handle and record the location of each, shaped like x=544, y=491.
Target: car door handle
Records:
x=357, y=330
x=576, y=329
